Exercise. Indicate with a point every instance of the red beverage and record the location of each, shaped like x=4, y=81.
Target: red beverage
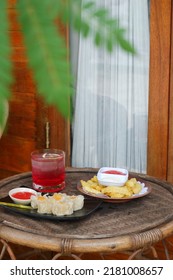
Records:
x=48, y=170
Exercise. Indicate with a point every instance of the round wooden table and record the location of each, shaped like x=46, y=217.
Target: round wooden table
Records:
x=114, y=227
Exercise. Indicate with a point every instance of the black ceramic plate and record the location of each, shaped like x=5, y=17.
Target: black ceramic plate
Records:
x=90, y=205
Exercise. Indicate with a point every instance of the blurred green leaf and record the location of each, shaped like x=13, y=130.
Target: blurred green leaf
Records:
x=100, y=19
x=85, y=29
x=46, y=49
x=88, y=5
x=47, y=54
x=119, y=36
x=101, y=13
x=98, y=38
x=125, y=45
x=5, y=62
x=77, y=23
x=110, y=44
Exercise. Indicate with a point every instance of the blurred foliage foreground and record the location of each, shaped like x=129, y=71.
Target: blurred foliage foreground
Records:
x=46, y=49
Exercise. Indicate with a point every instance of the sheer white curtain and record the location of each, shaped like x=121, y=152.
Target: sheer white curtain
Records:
x=111, y=104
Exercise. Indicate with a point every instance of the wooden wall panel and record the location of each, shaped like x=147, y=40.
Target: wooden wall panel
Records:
x=19, y=138
x=160, y=28
x=16, y=155
x=28, y=114
x=170, y=141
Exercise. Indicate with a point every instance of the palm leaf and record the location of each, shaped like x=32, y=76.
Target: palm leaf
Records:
x=5, y=62
x=47, y=53
x=107, y=31
x=46, y=50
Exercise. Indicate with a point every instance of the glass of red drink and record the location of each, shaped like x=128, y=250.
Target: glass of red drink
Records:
x=48, y=170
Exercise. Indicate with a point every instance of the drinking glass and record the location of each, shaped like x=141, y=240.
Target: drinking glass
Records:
x=48, y=170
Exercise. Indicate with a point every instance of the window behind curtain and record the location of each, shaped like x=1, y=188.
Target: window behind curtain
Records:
x=111, y=102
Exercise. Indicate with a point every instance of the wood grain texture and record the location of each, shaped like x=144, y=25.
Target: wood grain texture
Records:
x=28, y=113
x=170, y=140
x=160, y=28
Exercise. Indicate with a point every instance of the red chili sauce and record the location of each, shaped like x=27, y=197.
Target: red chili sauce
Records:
x=22, y=195
x=115, y=172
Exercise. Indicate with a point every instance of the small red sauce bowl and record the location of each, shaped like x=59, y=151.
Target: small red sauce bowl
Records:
x=110, y=176
x=22, y=195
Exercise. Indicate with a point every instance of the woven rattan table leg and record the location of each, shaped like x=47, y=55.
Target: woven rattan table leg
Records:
x=59, y=255
x=66, y=249
x=140, y=253
x=168, y=248
x=6, y=247
x=31, y=253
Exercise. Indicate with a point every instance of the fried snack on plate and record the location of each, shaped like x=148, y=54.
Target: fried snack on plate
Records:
x=130, y=188
x=98, y=187
x=137, y=188
x=133, y=186
x=117, y=192
x=94, y=179
x=88, y=187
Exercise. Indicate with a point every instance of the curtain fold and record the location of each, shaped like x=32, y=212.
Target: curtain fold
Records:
x=111, y=103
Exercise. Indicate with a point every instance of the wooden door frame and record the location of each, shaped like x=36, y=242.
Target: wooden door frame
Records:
x=170, y=138
x=160, y=132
